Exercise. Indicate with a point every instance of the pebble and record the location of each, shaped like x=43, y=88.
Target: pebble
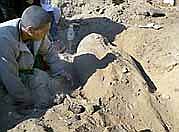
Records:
x=90, y=109
x=165, y=96
x=125, y=70
x=76, y=108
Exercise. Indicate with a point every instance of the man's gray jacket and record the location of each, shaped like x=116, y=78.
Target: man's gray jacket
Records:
x=15, y=56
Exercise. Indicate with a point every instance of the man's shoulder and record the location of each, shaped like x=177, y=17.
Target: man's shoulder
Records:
x=9, y=29
x=12, y=23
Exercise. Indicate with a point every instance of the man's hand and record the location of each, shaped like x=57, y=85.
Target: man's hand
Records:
x=60, y=47
x=68, y=77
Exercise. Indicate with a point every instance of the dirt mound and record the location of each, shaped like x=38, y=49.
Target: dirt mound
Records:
x=157, y=51
x=115, y=96
x=129, y=85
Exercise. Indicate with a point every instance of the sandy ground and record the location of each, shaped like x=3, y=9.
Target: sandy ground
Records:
x=127, y=80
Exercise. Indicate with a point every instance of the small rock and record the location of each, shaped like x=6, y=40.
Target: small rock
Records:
x=68, y=114
x=157, y=27
x=146, y=130
x=114, y=129
x=177, y=8
x=126, y=81
x=156, y=13
x=171, y=67
x=130, y=106
x=59, y=98
x=90, y=108
x=73, y=120
x=125, y=70
x=171, y=2
x=151, y=25
x=132, y=116
x=82, y=128
x=77, y=109
x=165, y=96
x=97, y=9
x=77, y=117
x=102, y=11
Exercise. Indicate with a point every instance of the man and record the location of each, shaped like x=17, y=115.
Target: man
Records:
x=22, y=41
x=55, y=13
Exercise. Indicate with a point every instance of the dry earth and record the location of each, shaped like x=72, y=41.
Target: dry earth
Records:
x=127, y=80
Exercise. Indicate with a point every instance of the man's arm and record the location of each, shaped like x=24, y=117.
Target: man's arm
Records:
x=51, y=56
x=9, y=75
